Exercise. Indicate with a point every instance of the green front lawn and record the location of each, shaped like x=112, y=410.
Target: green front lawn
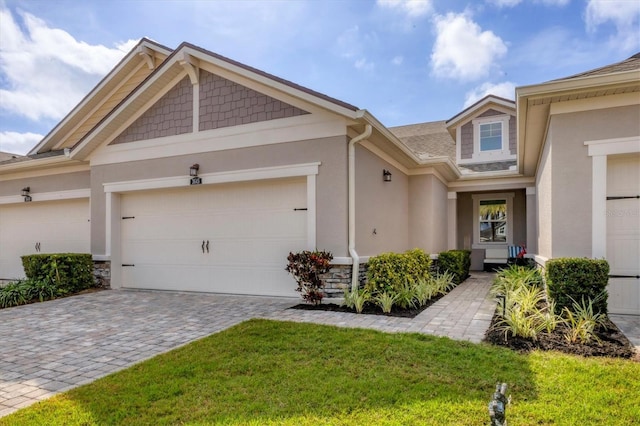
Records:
x=267, y=372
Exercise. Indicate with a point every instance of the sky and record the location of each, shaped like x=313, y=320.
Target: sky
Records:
x=405, y=61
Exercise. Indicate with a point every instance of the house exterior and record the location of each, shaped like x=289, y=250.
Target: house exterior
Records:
x=185, y=170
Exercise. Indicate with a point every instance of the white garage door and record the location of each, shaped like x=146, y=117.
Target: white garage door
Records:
x=623, y=233
x=229, y=238
x=45, y=227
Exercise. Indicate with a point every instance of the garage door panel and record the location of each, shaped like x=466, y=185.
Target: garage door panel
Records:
x=263, y=252
x=59, y=226
x=179, y=252
x=251, y=227
x=623, y=233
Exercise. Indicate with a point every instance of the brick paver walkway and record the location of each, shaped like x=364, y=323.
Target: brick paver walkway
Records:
x=51, y=347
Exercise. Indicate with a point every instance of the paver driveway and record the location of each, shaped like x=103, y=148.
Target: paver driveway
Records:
x=50, y=347
x=46, y=348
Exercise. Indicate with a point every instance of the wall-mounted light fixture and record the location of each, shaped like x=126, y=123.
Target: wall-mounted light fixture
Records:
x=25, y=194
x=193, y=172
x=386, y=175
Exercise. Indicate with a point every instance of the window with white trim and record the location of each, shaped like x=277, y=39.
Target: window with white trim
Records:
x=492, y=219
x=491, y=138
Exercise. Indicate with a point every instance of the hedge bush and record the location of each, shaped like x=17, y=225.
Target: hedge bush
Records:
x=456, y=262
x=571, y=280
x=388, y=272
x=69, y=272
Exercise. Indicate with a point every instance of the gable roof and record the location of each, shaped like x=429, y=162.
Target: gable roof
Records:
x=478, y=107
x=188, y=57
x=145, y=51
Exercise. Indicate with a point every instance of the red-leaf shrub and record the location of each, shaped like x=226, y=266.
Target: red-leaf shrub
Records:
x=306, y=267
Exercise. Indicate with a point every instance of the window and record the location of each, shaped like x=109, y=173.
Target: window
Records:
x=491, y=136
x=490, y=140
x=492, y=220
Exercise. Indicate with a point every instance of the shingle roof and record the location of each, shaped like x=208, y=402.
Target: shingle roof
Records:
x=630, y=64
x=431, y=139
x=4, y=156
x=20, y=158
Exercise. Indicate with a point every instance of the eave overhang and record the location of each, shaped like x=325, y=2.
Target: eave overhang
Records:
x=534, y=106
x=145, y=51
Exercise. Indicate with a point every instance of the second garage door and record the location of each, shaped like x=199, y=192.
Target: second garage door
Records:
x=41, y=227
x=230, y=238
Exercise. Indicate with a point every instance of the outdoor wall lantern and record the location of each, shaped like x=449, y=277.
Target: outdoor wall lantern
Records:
x=193, y=172
x=386, y=175
x=25, y=194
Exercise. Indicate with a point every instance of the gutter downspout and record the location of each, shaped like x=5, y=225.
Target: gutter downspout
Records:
x=355, y=269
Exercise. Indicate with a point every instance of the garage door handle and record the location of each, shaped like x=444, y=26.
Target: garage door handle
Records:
x=202, y=246
x=625, y=276
x=207, y=246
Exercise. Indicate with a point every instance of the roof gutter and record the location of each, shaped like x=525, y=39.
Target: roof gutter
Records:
x=355, y=267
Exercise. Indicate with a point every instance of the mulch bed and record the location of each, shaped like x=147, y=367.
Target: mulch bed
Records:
x=612, y=342
x=369, y=309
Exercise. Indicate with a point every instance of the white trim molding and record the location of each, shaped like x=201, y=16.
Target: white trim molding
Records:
x=503, y=153
x=599, y=150
x=276, y=172
x=47, y=196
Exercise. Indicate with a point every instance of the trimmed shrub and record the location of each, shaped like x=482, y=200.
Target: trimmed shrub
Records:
x=456, y=262
x=389, y=272
x=68, y=272
x=577, y=279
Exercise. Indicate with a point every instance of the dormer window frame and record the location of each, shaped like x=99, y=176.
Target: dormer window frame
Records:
x=504, y=153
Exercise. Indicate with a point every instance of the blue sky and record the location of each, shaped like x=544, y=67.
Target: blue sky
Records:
x=406, y=61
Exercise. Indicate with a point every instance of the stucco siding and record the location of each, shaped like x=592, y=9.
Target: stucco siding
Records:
x=382, y=208
x=331, y=188
x=40, y=184
x=428, y=219
x=543, y=199
x=571, y=186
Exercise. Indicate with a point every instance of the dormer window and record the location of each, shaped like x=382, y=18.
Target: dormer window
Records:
x=491, y=138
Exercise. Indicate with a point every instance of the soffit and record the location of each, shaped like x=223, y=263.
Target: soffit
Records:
x=92, y=101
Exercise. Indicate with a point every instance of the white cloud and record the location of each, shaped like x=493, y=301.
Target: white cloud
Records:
x=397, y=60
x=462, y=50
x=505, y=3
x=45, y=70
x=513, y=3
x=504, y=90
x=412, y=8
x=623, y=14
x=351, y=45
x=18, y=143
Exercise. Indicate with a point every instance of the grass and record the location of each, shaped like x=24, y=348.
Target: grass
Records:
x=266, y=372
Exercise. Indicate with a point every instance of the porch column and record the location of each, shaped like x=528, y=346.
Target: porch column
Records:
x=452, y=220
x=532, y=221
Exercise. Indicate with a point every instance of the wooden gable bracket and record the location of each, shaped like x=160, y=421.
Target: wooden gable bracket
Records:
x=147, y=55
x=191, y=66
